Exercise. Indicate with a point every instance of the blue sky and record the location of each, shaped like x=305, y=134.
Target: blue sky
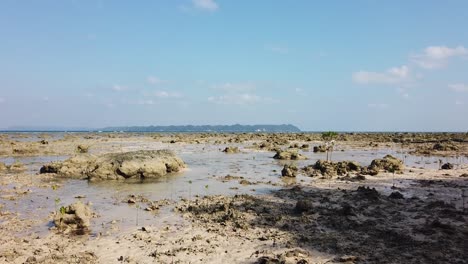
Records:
x=329, y=65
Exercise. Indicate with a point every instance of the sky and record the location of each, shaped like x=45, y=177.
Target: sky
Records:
x=320, y=65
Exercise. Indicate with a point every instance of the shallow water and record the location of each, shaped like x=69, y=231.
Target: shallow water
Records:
x=206, y=165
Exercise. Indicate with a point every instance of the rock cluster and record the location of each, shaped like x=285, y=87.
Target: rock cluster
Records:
x=387, y=163
x=320, y=148
x=342, y=168
x=289, y=154
x=329, y=168
x=444, y=146
x=118, y=166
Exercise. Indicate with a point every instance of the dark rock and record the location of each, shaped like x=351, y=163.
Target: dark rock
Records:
x=447, y=166
x=396, y=195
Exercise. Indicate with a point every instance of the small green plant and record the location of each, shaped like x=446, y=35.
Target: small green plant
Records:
x=206, y=190
x=57, y=201
x=62, y=210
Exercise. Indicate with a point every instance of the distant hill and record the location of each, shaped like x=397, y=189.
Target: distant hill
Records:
x=207, y=128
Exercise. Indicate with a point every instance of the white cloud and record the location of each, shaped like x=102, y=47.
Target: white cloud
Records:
x=442, y=52
x=378, y=106
x=167, y=94
x=118, y=88
x=154, y=80
x=235, y=87
x=208, y=5
x=239, y=99
x=458, y=102
x=2, y=100
x=438, y=56
x=459, y=87
x=392, y=75
x=45, y=98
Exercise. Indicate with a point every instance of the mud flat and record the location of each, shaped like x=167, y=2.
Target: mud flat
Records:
x=382, y=198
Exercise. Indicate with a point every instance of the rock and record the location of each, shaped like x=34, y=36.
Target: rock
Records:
x=75, y=167
x=44, y=142
x=82, y=149
x=289, y=171
x=396, y=195
x=118, y=166
x=75, y=217
x=329, y=168
x=320, y=148
x=245, y=182
x=447, y=166
x=387, y=163
x=444, y=146
x=368, y=193
x=348, y=259
x=146, y=229
x=303, y=206
x=231, y=150
x=31, y=259
x=289, y=155
x=269, y=260
x=464, y=175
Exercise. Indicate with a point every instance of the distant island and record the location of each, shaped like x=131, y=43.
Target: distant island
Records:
x=184, y=128
x=207, y=128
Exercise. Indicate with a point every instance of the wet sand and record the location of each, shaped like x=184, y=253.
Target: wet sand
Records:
x=236, y=208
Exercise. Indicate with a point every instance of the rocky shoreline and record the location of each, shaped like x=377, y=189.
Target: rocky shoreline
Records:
x=384, y=209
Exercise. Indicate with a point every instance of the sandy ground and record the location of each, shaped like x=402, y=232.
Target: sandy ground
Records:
x=414, y=217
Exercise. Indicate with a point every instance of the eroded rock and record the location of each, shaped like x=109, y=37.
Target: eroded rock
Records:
x=231, y=150
x=118, y=166
x=75, y=217
x=290, y=154
x=387, y=163
x=447, y=166
x=289, y=171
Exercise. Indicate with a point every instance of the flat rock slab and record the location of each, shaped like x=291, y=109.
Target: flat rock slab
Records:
x=118, y=166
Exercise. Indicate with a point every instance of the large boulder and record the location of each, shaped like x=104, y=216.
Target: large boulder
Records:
x=118, y=166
